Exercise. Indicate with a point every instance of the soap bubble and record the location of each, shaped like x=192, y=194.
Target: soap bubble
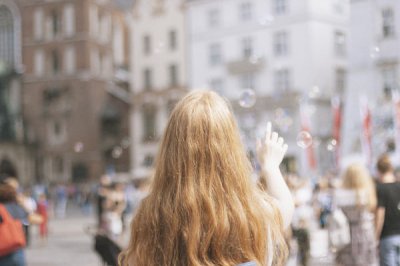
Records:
x=125, y=143
x=314, y=92
x=78, y=147
x=247, y=98
x=304, y=139
x=116, y=152
x=374, y=52
x=283, y=119
x=331, y=145
x=266, y=20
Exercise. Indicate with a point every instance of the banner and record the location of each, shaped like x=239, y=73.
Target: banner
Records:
x=337, y=126
x=366, y=135
x=306, y=127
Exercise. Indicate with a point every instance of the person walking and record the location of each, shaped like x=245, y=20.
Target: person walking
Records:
x=357, y=199
x=388, y=214
x=203, y=207
x=43, y=211
x=8, y=199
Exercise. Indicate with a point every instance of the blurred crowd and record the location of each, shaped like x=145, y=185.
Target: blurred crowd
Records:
x=360, y=210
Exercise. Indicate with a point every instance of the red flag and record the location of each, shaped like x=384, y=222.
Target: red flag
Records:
x=337, y=125
x=306, y=127
x=366, y=136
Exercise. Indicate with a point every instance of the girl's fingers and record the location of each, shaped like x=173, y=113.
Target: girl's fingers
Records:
x=285, y=148
x=274, y=137
x=280, y=141
x=268, y=133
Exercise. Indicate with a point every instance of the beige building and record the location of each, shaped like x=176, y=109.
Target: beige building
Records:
x=76, y=90
x=159, y=77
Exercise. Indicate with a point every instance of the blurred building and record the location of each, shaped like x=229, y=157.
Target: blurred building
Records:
x=159, y=77
x=76, y=87
x=374, y=57
x=16, y=153
x=291, y=53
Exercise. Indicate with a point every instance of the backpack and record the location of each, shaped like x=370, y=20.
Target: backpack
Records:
x=12, y=235
x=338, y=230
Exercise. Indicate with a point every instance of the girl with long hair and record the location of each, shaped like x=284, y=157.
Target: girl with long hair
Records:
x=203, y=208
x=357, y=199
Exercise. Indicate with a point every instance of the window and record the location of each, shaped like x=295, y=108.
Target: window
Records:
x=38, y=24
x=245, y=10
x=280, y=6
x=173, y=76
x=217, y=85
x=340, y=80
x=389, y=78
x=55, y=62
x=55, y=23
x=7, y=32
x=148, y=160
x=247, y=81
x=215, y=57
x=282, y=80
x=69, y=20
x=57, y=132
x=388, y=23
x=172, y=40
x=247, y=47
x=95, y=60
x=213, y=18
x=146, y=45
x=149, y=123
x=147, y=76
x=280, y=44
x=39, y=63
x=69, y=60
x=340, y=43
x=94, y=20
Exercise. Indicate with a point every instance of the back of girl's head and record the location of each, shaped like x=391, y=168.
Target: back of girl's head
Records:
x=202, y=208
x=358, y=178
x=384, y=165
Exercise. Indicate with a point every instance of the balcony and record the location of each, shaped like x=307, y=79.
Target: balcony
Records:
x=245, y=65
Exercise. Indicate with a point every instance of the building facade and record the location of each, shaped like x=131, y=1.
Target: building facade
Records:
x=159, y=77
x=373, y=75
x=291, y=53
x=16, y=153
x=76, y=87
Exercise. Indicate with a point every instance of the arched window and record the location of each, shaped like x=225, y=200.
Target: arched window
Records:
x=7, y=36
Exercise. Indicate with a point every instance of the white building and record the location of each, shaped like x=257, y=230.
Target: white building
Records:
x=158, y=75
x=283, y=50
x=374, y=56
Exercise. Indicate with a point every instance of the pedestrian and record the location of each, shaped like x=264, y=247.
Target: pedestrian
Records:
x=101, y=197
x=8, y=199
x=114, y=206
x=61, y=200
x=357, y=199
x=203, y=207
x=43, y=211
x=388, y=214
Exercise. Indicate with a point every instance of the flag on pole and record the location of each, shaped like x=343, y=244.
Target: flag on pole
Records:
x=306, y=127
x=366, y=136
x=337, y=126
x=396, y=121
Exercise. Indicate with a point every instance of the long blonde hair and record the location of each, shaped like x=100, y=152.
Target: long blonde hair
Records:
x=358, y=179
x=203, y=208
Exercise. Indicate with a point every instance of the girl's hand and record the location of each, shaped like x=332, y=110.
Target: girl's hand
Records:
x=271, y=150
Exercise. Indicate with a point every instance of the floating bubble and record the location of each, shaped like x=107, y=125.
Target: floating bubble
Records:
x=247, y=98
x=159, y=48
x=314, y=92
x=265, y=21
x=283, y=119
x=125, y=143
x=254, y=60
x=78, y=147
x=332, y=145
x=304, y=139
x=374, y=52
x=116, y=152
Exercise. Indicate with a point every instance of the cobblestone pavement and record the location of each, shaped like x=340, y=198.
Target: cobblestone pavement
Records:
x=68, y=244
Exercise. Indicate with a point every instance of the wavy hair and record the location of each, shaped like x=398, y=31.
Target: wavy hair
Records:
x=357, y=178
x=203, y=208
